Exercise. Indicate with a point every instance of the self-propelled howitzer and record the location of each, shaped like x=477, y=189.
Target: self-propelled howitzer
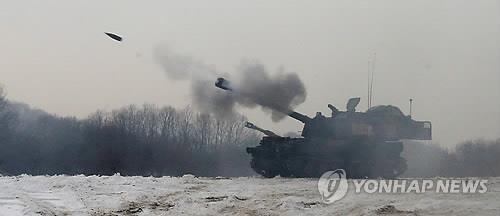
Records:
x=364, y=144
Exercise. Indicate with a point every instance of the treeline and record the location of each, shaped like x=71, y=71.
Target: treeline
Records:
x=146, y=140
x=480, y=158
x=150, y=140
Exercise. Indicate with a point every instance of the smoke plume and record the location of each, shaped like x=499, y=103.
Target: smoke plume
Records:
x=252, y=83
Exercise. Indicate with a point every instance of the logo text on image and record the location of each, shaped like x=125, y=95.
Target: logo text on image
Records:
x=418, y=186
x=332, y=186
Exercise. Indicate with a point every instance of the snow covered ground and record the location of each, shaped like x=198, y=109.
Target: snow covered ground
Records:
x=117, y=195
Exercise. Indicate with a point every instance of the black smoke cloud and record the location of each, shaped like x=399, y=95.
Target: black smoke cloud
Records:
x=253, y=84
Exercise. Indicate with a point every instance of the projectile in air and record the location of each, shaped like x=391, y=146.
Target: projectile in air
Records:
x=114, y=36
x=223, y=84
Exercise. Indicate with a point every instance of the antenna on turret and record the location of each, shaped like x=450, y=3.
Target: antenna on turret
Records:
x=368, y=85
x=371, y=72
x=411, y=103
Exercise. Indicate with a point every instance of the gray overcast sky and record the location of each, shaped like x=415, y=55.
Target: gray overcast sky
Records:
x=444, y=54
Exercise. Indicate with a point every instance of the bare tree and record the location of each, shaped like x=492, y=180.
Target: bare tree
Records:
x=133, y=140
x=7, y=116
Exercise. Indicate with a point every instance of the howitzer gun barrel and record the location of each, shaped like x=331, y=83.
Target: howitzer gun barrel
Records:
x=301, y=117
x=225, y=85
x=266, y=132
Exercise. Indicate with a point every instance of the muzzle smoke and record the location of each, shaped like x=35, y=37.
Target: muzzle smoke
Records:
x=252, y=84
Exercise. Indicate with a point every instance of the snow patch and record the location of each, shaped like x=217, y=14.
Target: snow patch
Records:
x=190, y=195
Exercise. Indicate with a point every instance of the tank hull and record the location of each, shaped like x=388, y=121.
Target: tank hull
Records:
x=306, y=157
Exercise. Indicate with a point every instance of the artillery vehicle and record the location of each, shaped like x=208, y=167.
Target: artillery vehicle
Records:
x=364, y=144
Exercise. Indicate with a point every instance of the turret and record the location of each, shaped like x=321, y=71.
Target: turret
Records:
x=266, y=132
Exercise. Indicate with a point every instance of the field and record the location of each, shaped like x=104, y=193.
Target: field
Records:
x=188, y=195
